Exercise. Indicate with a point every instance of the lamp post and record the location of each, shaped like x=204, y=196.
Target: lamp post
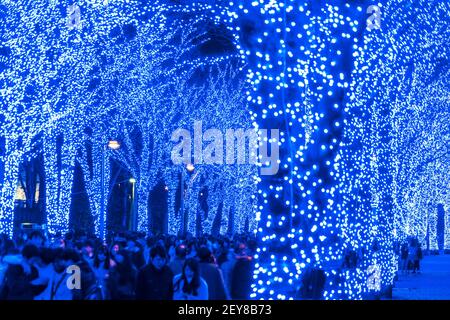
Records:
x=132, y=221
x=190, y=168
x=112, y=145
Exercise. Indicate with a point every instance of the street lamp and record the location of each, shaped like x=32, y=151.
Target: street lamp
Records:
x=112, y=145
x=190, y=168
x=132, y=222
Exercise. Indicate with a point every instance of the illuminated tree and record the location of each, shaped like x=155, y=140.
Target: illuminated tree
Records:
x=296, y=52
x=396, y=133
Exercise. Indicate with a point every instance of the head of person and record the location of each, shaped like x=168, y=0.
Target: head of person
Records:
x=70, y=256
x=191, y=276
x=161, y=243
x=101, y=257
x=131, y=244
x=47, y=256
x=65, y=258
x=87, y=250
x=191, y=250
x=204, y=254
x=36, y=238
x=58, y=263
x=215, y=247
x=120, y=257
x=150, y=242
x=61, y=243
x=8, y=247
x=240, y=248
x=230, y=254
x=115, y=248
x=30, y=253
x=191, y=270
x=158, y=257
x=181, y=251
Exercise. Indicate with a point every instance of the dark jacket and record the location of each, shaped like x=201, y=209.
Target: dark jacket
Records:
x=313, y=284
x=241, y=278
x=153, y=284
x=122, y=281
x=137, y=258
x=213, y=277
x=17, y=284
x=176, y=265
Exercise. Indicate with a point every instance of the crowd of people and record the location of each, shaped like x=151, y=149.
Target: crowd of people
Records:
x=409, y=253
x=129, y=266
x=410, y=256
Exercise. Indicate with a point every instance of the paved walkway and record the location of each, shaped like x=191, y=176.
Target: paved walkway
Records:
x=433, y=283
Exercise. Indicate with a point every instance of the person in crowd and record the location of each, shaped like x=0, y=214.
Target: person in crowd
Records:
x=87, y=252
x=242, y=273
x=312, y=283
x=113, y=274
x=404, y=251
x=411, y=256
x=101, y=268
x=176, y=263
x=59, y=243
x=122, y=275
x=36, y=238
x=149, y=244
x=135, y=253
x=19, y=275
x=212, y=275
x=154, y=281
x=57, y=288
x=418, y=255
x=227, y=268
x=45, y=269
x=188, y=285
x=223, y=251
x=115, y=248
x=192, y=250
x=89, y=288
x=7, y=248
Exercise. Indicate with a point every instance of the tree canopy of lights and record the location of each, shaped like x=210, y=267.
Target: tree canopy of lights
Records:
x=396, y=141
x=161, y=108
x=68, y=88
x=220, y=106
